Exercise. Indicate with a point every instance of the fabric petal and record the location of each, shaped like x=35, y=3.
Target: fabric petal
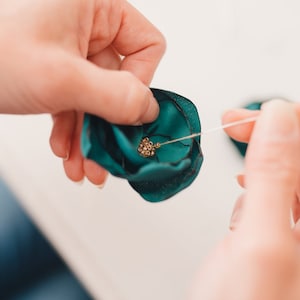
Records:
x=173, y=168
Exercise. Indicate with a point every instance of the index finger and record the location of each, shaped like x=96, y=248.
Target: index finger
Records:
x=272, y=168
x=141, y=44
x=242, y=133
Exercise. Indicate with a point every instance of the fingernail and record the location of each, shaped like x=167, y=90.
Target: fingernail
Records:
x=271, y=102
x=101, y=185
x=152, y=110
x=139, y=123
x=80, y=182
x=230, y=111
x=241, y=180
x=234, y=219
x=66, y=157
x=227, y=115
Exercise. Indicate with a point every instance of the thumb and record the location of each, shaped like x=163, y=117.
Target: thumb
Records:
x=272, y=167
x=116, y=96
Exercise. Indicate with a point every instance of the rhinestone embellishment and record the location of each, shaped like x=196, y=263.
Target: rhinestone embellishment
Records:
x=147, y=148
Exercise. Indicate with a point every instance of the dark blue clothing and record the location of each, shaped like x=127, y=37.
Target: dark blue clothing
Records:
x=30, y=269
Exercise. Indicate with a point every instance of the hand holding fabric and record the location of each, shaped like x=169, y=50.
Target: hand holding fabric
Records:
x=170, y=168
x=74, y=56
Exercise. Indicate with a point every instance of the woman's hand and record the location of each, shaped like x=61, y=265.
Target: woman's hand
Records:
x=75, y=56
x=260, y=258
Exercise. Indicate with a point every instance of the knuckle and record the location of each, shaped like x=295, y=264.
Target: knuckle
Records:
x=161, y=43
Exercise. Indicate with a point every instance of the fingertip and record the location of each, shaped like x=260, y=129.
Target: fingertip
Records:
x=60, y=149
x=74, y=169
x=80, y=182
x=67, y=156
x=62, y=130
x=237, y=114
x=151, y=112
x=241, y=132
x=139, y=105
x=278, y=121
x=96, y=174
x=230, y=115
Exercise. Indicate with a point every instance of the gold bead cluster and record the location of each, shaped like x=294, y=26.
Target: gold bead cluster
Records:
x=147, y=148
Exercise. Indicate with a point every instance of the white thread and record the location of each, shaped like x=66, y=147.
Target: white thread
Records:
x=244, y=121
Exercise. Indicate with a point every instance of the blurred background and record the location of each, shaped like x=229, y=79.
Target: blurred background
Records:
x=221, y=54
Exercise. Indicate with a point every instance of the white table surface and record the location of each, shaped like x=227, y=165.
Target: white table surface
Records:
x=221, y=54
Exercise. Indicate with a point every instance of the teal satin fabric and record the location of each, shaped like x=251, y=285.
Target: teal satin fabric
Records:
x=173, y=168
x=242, y=147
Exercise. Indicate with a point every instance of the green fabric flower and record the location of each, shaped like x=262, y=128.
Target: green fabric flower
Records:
x=173, y=167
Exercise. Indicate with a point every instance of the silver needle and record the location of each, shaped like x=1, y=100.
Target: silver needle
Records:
x=244, y=121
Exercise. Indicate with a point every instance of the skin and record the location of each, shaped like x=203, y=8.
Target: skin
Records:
x=259, y=258
x=73, y=56
x=64, y=58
